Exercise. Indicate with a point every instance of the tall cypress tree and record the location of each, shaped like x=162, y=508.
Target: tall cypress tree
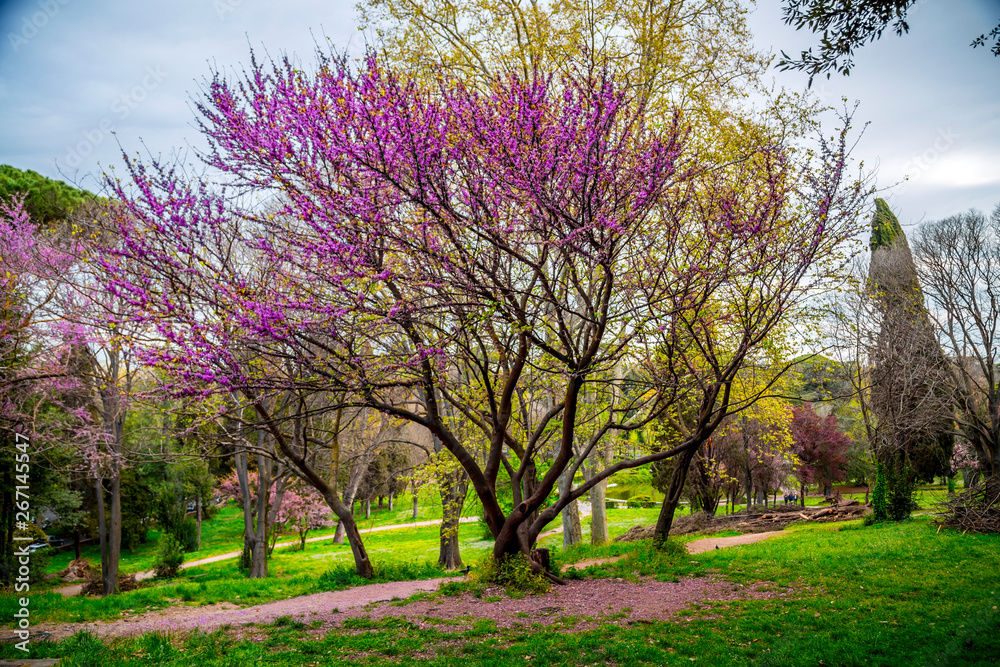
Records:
x=910, y=373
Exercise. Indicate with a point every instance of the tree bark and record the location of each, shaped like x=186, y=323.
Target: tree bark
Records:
x=362, y=563
x=391, y=507
x=453, y=490
x=673, y=496
x=197, y=520
x=368, y=508
x=102, y=531
x=599, y=514
x=572, y=531
x=114, y=535
x=254, y=532
x=415, y=501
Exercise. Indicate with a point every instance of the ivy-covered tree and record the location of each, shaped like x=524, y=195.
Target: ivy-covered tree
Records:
x=910, y=380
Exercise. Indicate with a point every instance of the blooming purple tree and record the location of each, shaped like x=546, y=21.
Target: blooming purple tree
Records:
x=426, y=251
x=303, y=509
x=85, y=364
x=820, y=447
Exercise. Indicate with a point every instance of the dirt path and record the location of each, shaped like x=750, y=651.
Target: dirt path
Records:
x=701, y=546
x=645, y=600
x=75, y=589
x=209, y=617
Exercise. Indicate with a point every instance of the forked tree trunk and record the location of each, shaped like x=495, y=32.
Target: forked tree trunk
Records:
x=673, y=496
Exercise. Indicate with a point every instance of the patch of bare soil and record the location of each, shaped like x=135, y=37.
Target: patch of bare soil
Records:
x=210, y=617
x=701, y=546
x=579, y=604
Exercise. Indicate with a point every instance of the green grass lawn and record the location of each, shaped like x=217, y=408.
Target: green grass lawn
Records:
x=224, y=534
x=891, y=594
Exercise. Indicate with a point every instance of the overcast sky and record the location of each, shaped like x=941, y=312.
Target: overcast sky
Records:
x=72, y=71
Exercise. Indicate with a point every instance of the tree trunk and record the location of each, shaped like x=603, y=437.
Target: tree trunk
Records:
x=197, y=520
x=254, y=532
x=673, y=496
x=76, y=543
x=114, y=535
x=599, y=514
x=390, y=501
x=802, y=495
x=368, y=508
x=415, y=501
x=572, y=531
x=453, y=491
x=362, y=564
x=102, y=531
x=258, y=556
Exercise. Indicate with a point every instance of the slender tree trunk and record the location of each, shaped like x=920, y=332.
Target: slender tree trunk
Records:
x=197, y=520
x=454, y=487
x=415, y=501
x=114, y=535
x=673, y=495
x=344, y=512
x=368, y=508
x=258, y=557
x=572, y=531
x=599, y=514
x=102, y=530
x=390, y=501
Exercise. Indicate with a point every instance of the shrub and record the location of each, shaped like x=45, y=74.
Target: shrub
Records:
x=641, y=500
x=513, y=573
x=187, y=534
x=171, y=555
x=899, y=497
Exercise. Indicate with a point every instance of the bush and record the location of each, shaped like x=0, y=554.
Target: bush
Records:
x=899, y=497
x=513, y=573
x=38, y=562
x=641, y=500
x=187, y=535
x=171, y=555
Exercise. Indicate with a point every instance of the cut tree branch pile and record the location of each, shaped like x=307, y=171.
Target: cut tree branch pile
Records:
x=978, y=509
